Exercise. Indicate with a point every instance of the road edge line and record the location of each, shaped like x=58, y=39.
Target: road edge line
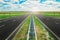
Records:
x=16, y=29
x=48, y=29
x=34, y=29
x=28, y=30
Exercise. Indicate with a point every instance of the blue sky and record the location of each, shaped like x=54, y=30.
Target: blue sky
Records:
x=6, y=0
x=41, y=1
x=57, y=0
x=16, y=2
x=25, y=4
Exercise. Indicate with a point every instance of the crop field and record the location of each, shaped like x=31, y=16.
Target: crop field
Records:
x=52, y=14
x=4, y=15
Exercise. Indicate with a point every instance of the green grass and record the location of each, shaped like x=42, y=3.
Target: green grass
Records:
x=22, y=34
x=4, y=15
x=42, y=33
x=52, y=14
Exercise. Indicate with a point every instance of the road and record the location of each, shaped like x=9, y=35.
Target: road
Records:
x=52, y=23
x=8, y=25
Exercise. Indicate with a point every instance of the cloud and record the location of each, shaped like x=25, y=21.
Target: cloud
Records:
x=29, y=5
x=41, y=1
x=6, y=0
x=57, y=0
x=46, y=6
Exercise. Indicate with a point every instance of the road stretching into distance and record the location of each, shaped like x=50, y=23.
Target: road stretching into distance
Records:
x=52, y=23
x=8, y=25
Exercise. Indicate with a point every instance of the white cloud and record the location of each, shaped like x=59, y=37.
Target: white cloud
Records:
x=36, y=6
x=1, y=0
x=33, y=6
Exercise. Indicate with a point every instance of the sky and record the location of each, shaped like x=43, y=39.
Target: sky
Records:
x=29, y=5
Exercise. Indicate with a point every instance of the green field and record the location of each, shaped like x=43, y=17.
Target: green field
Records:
x=52, y=14
x=42, y=33
x=22, y=34
x=4, y=15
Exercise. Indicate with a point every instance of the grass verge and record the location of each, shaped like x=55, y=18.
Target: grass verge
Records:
x=22, y=34
x=42, y=33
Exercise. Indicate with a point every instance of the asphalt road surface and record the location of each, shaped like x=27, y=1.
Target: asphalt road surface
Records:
x=52, y=23
x=8, y=25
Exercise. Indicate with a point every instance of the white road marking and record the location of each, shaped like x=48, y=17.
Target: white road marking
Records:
x=14, y=20
x=29, y=30
x=49, y=29
x=35, y=30
x=15, y=29
x=2, y=26
x=0, y=21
